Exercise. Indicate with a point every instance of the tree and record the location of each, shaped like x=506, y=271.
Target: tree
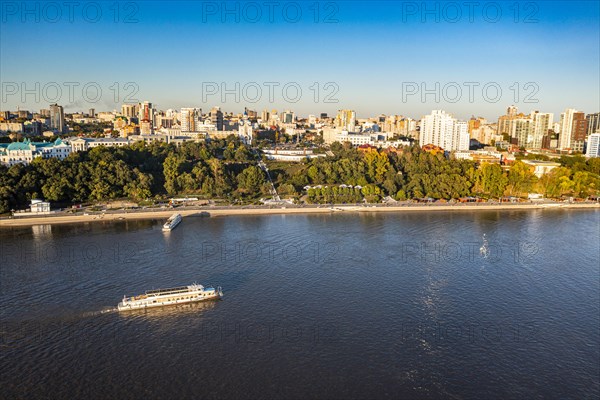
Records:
x=520, y=178
x=171, y=170
x=250, y=180
x=492, y=179
x=242, y=154
x=140, y=188
x=372, y=193
x=555, y=183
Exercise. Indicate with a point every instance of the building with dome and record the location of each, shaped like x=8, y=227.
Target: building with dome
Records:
x=245, y=130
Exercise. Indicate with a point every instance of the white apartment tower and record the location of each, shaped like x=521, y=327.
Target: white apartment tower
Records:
x=593, y=145
x=566, y=127
x=443, y=130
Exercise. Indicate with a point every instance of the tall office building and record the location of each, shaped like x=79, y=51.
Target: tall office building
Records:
x=190, y=119
x=346, y=120
x=57, y=118
x=216, y=118
x=593, y=145
x=443, y=130
x=593, y=123
x=92, y=112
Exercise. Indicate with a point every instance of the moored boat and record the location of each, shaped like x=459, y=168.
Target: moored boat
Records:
x=172, y=222
x=171, y=296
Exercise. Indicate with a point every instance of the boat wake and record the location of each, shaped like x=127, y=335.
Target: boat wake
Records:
x=484, y=250
x=105, y=310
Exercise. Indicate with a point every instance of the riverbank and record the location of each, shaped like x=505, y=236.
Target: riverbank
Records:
x=262, y=210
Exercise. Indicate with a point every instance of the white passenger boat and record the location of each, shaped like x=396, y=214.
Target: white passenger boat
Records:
x=166, y=297
x=172, y=222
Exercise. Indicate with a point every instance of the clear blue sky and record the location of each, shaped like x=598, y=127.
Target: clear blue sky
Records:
x=370, y=51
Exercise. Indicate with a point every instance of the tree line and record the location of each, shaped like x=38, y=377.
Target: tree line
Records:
x=219, y=168
x=227, y=169
x=415, y=174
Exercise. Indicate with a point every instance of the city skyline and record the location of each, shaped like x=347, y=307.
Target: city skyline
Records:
x=384, y=57
x=119, y=110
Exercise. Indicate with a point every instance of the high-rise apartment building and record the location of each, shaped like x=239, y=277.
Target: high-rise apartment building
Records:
x=520, y=130
x=474, y=123
x=541, y=123
x=288, y=117
x=442, y=129
x=216, y=118
x=593, y=145
x=146, y=118
x=578, y=132
x=573, y=130
x=504, y=121
x=57, y=118
x=566, y=125
x=190, y=119
x=593, y=123
x=264, y=116
x=146, y=111
x=346, y=120
x=129, y=110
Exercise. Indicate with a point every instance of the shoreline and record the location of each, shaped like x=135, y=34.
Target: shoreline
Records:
x=224, y=212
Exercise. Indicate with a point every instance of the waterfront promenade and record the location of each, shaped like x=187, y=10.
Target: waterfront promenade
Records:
x=223, y=211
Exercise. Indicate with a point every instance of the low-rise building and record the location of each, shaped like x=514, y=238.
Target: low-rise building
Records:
x=6, y=127
x=377, y=139
x=84, y=144
x=540, y=167
x=39, y=206
x=297, y=155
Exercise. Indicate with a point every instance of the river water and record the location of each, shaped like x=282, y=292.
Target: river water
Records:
x=352, y=306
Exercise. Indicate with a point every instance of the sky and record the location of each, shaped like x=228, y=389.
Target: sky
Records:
x=406, y=58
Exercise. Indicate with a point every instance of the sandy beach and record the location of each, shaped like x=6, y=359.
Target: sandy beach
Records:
x=233, y=211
